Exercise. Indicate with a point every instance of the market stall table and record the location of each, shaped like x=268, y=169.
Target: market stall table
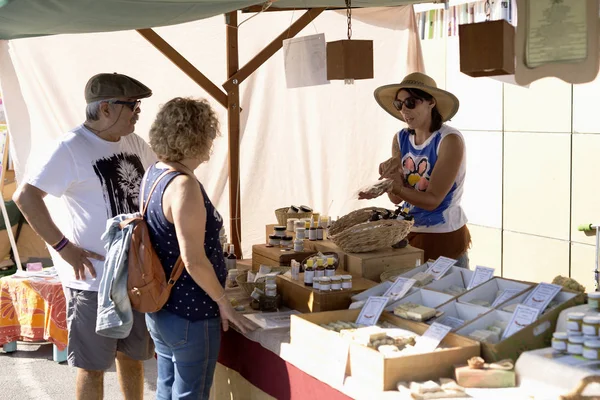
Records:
x=32, y=309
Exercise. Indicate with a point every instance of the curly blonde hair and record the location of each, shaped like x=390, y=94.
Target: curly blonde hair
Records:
x=184, y=128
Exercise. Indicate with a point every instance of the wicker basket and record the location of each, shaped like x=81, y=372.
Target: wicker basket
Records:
x=354, y=218
x=336, y=259
x=242, y=280
x=370, y=236
x=283, y=215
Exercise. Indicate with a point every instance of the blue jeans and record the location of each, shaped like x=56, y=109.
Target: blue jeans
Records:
x=187, y=354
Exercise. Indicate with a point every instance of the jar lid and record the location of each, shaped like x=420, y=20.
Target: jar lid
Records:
x=591, y=320
x=594, y=295
x=336, y=278
x=592, y=344
x=575, y=316
x=346, y=276
x=572, y=334
x=301, y=229
x=273, y=237
x=560, y=335
x=271, y=286
x=287, y=238
x=280, y=228
x=590, y=337
x=305, y=209
x=576, y=339
x=325, y=279
x=298, y=240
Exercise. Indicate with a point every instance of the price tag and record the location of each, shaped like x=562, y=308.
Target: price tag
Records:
x=439, y=268
x=505, y=295
x=542, y=295
x=432, y=337
x=369, y=314
x=481, y=274
x=399, y=288
x=522, y=317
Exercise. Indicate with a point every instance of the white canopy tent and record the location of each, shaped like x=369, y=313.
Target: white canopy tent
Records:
x=313, y=146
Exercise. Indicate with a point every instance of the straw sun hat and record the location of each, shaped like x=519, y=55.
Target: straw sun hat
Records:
x=447, y=103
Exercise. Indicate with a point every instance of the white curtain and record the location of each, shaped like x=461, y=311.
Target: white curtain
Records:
x=314, y=146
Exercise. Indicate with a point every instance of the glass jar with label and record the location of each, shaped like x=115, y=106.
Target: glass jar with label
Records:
x=336, y=282
x=590, y=326
x=301, y=233
x=325, y=284
x=575, y=321
x=594, y=300
x=271, y=290
x=346, y=281
x=298, y=245
x=591, y=348
x=317, y=283
x=575, y=345
x=274, y=240
x=279, y=231
x=560, y=341
x=286, y=242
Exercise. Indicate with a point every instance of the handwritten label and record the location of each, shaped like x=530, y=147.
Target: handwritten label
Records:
x=481, y=274
x=542, y=295
x=452, y=322
x=504, y=296
x=432, y=337
x=522, y=317
x=369, y=315
x=439, y=268
x=399, y=288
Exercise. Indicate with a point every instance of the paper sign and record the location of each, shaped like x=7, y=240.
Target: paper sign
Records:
x=399, y=289
x=432, y=337
x=369, y=315
x=482, y=274
x=440, y=266
x=305, y=61
x=522, y=317
x=452, y=322
x=542, y=295
x=505, y=295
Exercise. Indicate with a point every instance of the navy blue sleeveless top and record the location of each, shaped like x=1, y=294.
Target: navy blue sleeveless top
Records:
x=187, y=299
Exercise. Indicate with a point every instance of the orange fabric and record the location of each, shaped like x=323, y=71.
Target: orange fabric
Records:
x=451, y=244
x=33, y=309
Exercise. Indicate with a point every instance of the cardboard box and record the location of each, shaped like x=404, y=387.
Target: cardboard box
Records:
x=368, y=366
x=454, y=278
x=296, y=295
x=423, y=267
x=424, y=297
x=466, y=312
x=534, y=336
x=350, y=59
x=275, y=256
x=487, y=48
x=488, y=291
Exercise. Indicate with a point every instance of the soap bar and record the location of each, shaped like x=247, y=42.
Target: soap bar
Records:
x=455, y=290
x=415, y=312
x=510, y=308
x=485, y=336
x=479, y=302
x=422, y=279
x=485, y=378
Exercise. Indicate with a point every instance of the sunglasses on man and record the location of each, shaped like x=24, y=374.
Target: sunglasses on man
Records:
x=409, y=102
x=132, y=105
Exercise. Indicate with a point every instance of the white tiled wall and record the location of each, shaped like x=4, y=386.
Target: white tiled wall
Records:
x=532, y=169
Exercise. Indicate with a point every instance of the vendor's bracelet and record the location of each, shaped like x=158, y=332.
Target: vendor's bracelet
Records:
x=61, y=245
x=221, y=298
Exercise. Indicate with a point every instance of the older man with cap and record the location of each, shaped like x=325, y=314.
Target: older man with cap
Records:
x=96, y=169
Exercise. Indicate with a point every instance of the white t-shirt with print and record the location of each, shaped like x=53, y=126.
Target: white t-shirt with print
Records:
x=97, y=180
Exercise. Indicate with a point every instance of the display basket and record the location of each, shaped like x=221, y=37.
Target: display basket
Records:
x=369, y=236
x=248, y=287
x=282, y=215
x=354, y=218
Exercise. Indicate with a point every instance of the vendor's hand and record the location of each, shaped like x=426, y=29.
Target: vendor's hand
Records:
x=391, y=169
x=367, y=196
x=229, y=315
x=79, y=259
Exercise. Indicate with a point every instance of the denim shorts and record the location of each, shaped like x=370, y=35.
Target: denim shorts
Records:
x=90, y=351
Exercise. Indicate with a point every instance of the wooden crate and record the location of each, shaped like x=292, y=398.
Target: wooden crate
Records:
x=296, y=295
x=372, y=264
x=275, y=256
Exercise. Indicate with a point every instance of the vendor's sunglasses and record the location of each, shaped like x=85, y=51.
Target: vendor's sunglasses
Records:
x=410, y=103
x=133, y=105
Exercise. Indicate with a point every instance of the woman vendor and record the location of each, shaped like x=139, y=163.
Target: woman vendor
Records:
x=427, y=166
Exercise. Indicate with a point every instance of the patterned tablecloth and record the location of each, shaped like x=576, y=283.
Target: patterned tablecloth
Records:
x=33, y=309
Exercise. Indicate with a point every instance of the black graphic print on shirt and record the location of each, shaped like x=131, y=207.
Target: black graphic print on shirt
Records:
x=120, y=176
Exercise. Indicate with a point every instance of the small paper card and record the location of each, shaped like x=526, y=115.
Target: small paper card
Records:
x=522, y=317
x=542, y=295
x=440, y=266
x=505, y=295
x=482, y=274
x=369, y=315
x=399, y=288
x=432, y=337
x=452, y=322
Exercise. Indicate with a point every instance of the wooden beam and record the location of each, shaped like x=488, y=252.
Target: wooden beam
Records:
x=233, y=115
x=272, y=48
x=184, y=65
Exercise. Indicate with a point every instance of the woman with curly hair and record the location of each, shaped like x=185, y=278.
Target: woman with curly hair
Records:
x=180, y=216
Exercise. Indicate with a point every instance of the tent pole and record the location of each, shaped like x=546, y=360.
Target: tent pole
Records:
x=233, y=115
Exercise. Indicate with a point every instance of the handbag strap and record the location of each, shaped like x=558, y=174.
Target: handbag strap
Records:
x=144, y=207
